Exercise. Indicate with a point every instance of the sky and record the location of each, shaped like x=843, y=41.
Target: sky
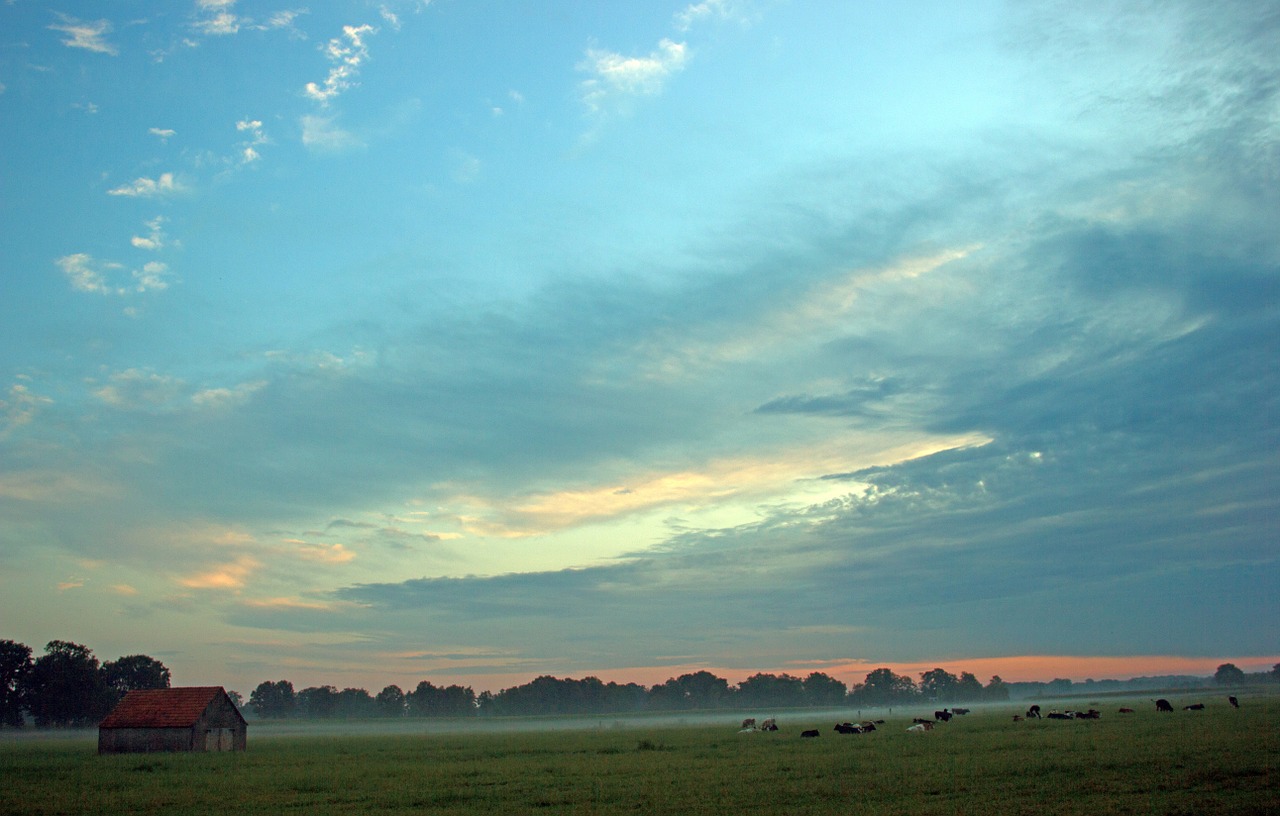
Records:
x=468, y=341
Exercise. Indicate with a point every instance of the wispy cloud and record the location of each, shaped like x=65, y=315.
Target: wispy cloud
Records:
x=164, y=134
x=345, y=54
x=155, y=239
x=217, y=18
x=615, y=77
x=249, y=148
x=321, y=133
x=90, y=36
x=143, y=187
x=19, y=408
x=721, y=10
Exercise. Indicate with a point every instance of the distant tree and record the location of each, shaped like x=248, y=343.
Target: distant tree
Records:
x=938, y=685
x=15, y=665
x=771, y=690
x=883, y=687
x=429, y=700
x=968, y=688
x=66, y=687
x=390, y=702
x=996, y=690
x=823, y=690
x=273, y=701
x=237, y=698
x=700, y=689
x=1275, y=672
x=318, y=702
x=1228, y=674
x=133, y=673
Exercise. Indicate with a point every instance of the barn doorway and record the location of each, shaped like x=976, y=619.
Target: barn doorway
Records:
x=219, y=739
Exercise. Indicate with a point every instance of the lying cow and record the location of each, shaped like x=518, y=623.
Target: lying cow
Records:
x=1194, y=707
x=811, y=733
x=1126, y=710
x=960, y=711
x=921, y=727
x=770, y=724
x=847, y=728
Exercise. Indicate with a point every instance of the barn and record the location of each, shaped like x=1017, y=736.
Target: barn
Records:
x=201, y=718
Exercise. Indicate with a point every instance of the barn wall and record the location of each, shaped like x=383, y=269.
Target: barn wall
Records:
x=131, y=740
x=222, y=714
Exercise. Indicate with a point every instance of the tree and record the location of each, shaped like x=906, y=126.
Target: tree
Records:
x=317, y=701
x=883, y=687
x=823, y=690
x=390, y=702
x=1228, y=674
x=968, y=687
x=66, y=687
x=237, y=698
x=700, y=689
x=133, y=673
x=15, y=665
x=774, y=690
x=996, y=690
x=273, y=701
x=938, y=685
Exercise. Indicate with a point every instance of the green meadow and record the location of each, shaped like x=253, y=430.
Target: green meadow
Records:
x=1217, y=761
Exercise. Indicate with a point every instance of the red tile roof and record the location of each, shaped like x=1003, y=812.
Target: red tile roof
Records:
x=162, y=708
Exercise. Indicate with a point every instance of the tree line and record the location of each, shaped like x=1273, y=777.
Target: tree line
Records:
x=547, y=695
x=69, y=686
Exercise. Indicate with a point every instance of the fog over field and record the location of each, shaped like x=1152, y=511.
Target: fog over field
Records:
x=368, y=343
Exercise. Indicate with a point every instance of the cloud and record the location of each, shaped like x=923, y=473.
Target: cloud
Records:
x=155, y=239
x=164, y=134
x=19, y=408
x=86, y=274
x=164, y=184
x=346, y=54
x=249, y=148
x=723, y=10
x=87, y=35
x=138, y=389
x=321, y=134
x=615, y=77
x=232, y=576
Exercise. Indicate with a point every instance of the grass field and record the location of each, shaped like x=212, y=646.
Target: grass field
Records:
x=1217, y=761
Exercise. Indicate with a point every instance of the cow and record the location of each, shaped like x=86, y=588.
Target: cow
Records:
x=960, y=711
x=1234, y=702
x=1163, y=705
x=749, y=724
x=1194, y=707
x=1126, y=710
x=1091, y=714
x=1062, y=715
x=1033, y=712
x=770, y=724
x=810, y=733
x=921, y=727
x=921, y=721
x=868, y=725
x=847, y=728
x=1017, y=718
x=942, y=716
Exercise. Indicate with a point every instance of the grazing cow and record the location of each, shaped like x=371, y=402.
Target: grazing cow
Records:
x=960, y=711
x=942, y=716
x=1163, y=705
x=921, y=727
x=1126, y=710
x=810, y=733
x=1194, y=707
x=1234, y=702
x=1034, y=711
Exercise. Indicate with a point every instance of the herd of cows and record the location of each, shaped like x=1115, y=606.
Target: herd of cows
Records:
x=922, y=724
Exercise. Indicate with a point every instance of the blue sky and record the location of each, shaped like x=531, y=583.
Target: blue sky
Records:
x=372, y=342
